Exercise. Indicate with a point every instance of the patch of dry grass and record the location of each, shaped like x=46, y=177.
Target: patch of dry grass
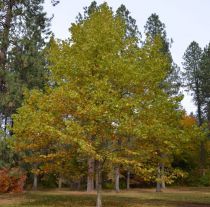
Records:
x=176, y=197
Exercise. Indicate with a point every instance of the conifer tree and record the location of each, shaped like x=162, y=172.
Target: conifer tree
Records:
x=205, y=80
x=24, y=29
x=193, y=82
x=24, y=64
x=154, y=27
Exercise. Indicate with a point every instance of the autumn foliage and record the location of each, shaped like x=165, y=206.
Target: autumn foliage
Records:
x=11, y=180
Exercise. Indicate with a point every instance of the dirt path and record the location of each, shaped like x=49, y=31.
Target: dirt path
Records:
x=8, y=199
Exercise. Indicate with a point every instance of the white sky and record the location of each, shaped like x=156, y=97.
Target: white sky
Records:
x=185, y=20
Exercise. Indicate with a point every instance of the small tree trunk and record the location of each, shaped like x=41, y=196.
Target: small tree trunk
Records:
x=35, y=182
x=60, y=181
x=5, y=125
x=117, y=179
x=99, y=185
x=1, y=120
x=163, y=184
x=158, y=185
x=202, y=158
x=96, y=180
x=90, y=176
x=71, y=185
x=79, y=184
x=11, y=125
x=128, y=180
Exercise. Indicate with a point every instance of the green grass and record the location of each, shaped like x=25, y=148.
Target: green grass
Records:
x=188, y=197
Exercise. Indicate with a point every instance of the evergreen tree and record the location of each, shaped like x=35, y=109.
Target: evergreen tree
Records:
x=24, y=65
x=192, y=79
x=153, y=28
x=130, y=22
x=24, y=29
x=205, y=80
x=192, y=76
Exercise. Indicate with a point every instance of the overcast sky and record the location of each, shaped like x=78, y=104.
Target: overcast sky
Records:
x=185, y=20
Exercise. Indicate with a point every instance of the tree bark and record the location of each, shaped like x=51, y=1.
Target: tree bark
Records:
x=99, y=185
x=117, y=179
x=90, y=176
x=128, y=180
x=35, y=182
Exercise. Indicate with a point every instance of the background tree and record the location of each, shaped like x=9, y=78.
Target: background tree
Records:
x=193, y=82
x=153, y=28
x=24, y=29
x=205, y=80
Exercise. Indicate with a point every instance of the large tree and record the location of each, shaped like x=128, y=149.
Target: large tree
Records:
x=205, y=80
x=192, y=79
x=24, y=27
x=87, y=109
x=155, y=28
x=131, y=32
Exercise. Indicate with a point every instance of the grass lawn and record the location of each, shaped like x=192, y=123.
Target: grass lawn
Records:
x=176, y=197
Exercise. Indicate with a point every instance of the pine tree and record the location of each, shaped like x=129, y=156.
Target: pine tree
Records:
x=154, y=27
x=205, y=80
x=193, y=82
x=192, y=76
x=130, y=22
x=25, y=64
x=24, y=29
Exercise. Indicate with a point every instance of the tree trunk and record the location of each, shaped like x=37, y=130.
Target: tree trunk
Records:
x=60, y=181
x=158, y=185
x=90, y=176
x=1, y=121
x=117, y=179
x=128, y=180
x=99, y=185
x=11, y=126
x=35, y=182
x=79, y=184
x=163, y=184
x=5, y=125
x=202, y=157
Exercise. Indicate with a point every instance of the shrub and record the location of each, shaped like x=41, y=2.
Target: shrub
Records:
x=4, y=181
x=12, y=180
x=205, y=180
